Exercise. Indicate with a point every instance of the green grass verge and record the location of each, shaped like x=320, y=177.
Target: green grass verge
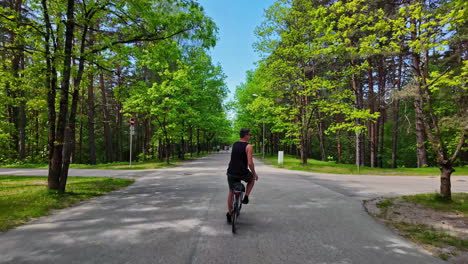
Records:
x=458, y=204
x=25, y=166
x=429, y=236
x=111, y=166
x=25, y=197
x=126, y=166
x=293, y=163
x=103, y=166
x=384, y=205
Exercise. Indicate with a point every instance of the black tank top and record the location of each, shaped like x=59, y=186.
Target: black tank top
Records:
x=238, y=164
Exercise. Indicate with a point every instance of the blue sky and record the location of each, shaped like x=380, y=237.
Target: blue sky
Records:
x=236, y=21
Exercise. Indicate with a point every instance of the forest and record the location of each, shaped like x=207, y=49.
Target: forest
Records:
x=372, y=83
x=73, y=73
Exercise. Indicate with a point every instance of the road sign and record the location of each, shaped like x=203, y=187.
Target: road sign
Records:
x=132, y=132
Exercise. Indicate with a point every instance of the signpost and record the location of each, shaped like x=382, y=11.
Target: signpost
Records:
x=280, y=157
x=358, y=157
x=132, y=132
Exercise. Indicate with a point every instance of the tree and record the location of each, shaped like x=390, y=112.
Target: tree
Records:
x=439, y=91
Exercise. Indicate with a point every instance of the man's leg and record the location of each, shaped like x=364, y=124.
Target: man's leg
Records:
x=250, y=186
x=229, y=201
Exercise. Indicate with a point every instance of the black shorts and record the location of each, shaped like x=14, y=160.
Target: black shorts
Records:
x=233, y=178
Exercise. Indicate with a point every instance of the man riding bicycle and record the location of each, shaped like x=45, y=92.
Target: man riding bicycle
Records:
x=238, y=170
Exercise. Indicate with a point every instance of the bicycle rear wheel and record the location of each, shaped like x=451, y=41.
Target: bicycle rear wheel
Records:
x=235, y=212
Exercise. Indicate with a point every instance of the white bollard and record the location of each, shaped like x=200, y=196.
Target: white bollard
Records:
x=280, y=157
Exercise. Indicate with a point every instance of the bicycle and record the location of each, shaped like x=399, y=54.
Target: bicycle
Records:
x=237, y=196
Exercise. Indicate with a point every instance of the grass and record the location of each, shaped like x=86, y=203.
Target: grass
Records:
x=23, y=197
x=25, y=165
x=433, y=239
x=293, y=163
x=141, y=165
x=386, y=203
x=125, y=165
x=458, y=204
x=429, y=236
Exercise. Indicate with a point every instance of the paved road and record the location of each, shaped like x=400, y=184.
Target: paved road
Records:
x=177, y=215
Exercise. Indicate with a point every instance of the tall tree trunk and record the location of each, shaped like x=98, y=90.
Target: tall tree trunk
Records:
x=381, y=141
x=22, y=111
x=358, y=152
x=198, y=141
x=182, y=143
x=91, y=120
x=119, y=132
x=396, y=115
x=51, y=84
x=17, y=110
x=56, y=163
x=372, y=125
x=191, y=141
x=303, y=150
x=160, y=150
x=146, y=137
x=321, y=139
x=11, y=115
x=37, y=130
x=22, y=128
x=359, y=103
x=418, y=103
x=182, y=148
x=339, y=148
x=304, y=146
x=382, y=77
x=80, y=143
x=168, y=146
x=420, y=134
x=70, y=136
x=106, y=120
x=119, y=117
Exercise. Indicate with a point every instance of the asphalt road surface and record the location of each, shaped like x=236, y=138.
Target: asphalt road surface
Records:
x=177, y=215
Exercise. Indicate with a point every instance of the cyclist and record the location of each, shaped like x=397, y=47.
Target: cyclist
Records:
x=241, y=162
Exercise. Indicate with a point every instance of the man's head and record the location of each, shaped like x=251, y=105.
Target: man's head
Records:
x=244, y=133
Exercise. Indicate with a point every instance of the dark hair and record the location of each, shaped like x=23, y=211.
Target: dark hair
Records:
x=243, y=132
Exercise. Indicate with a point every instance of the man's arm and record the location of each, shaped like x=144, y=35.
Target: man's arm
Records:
x=249, y=150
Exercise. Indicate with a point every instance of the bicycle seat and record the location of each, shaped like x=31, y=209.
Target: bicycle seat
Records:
x=238, y=187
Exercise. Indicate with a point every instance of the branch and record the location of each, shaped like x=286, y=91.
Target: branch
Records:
x=139, y=39
x=101, y=67
x=459, y=147
x=17, y=48
x=22, y=23
x=436, y=79
x=122, y=15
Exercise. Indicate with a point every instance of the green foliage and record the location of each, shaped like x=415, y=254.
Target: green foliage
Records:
x=321, y=62
x=186, y=91
x=153, y=55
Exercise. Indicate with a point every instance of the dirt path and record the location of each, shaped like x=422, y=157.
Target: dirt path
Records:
x=401, y=212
